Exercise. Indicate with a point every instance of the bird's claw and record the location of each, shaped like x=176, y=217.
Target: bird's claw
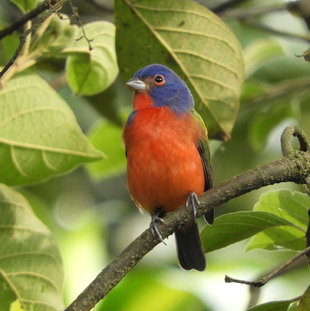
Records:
x=192, y=200
x=153, y=226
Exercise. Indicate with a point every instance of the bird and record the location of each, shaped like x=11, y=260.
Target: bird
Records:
x=168, y=158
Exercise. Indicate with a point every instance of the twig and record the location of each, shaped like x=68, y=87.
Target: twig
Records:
x=76, y=15
x=46, y=5
x=226, y=5
x=245, y=13
x=294, y=167
x=271, y=275
x=263, y=27
x=286, y=144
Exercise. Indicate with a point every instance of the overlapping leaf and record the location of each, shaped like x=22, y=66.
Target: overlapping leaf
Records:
x=92, y=71
x=291, y=206
x=39, y=135
x=25, y=5
x=234, y=227
x=192, y=41
x=31, y=272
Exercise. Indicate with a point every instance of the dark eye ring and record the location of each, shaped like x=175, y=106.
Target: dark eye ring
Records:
x=159, y=79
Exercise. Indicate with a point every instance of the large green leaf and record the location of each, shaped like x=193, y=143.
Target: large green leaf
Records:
x=234, y=227
x=92, y=71
x=31, y=269
x=192, y=41
x=39, y=135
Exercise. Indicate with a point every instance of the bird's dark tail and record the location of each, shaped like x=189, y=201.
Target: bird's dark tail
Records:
x=190, y=251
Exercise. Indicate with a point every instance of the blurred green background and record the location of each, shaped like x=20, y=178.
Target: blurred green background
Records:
x=90, y=211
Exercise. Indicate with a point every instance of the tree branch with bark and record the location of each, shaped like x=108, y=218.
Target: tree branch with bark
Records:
x=293, y=167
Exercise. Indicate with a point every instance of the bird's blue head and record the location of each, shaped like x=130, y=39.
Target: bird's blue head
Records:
x=164, y=87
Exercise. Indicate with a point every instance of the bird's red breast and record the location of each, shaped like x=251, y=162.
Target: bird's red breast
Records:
x=163, y=163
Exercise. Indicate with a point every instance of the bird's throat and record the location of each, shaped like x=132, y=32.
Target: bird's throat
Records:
x=142, y=100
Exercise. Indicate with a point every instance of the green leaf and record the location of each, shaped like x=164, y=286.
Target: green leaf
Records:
x=290, y=205
x=16, y=306
x=106, y=137
x=25, y=5
x=31, y=269
x=277, y=238
x=234, y=227
x=192, y=41
x=58, y=35
x=91, y=72
x=304, y=303
x=39, y=135
x=272, y=306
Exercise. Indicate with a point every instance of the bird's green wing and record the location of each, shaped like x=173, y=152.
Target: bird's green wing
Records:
x=204, y=152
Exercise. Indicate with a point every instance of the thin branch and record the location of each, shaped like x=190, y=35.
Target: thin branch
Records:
x=46, y=5
x=281, y=33
x=246, y=13
x=271, y=275
x=294, y=167
x=222, y=7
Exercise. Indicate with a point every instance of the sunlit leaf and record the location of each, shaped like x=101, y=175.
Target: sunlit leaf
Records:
x=92, y=71
x=25, y=5
x=107, y=137
x=59, y=34
x=272, y=306
x=290, y=205
x=234, y=227
x=31, y=270
x=192, y=41
x=39, y=135
x=304, y=303
x=279, y=237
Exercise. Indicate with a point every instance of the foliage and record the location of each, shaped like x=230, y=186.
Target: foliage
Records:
x=64, y=83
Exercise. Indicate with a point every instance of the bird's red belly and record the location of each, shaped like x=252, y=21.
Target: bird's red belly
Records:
x=163, y=168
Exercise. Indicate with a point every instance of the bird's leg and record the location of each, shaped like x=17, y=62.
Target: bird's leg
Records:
x=157, y=218
x=192, y=199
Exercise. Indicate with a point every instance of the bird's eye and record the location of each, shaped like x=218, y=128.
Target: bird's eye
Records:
x=159, y=79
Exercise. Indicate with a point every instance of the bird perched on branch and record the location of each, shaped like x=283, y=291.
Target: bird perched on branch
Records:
x=168, y=161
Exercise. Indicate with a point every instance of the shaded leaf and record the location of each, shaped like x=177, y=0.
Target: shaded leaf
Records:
x=193, y=42
x=30, y=264
x=25, y=5
x=234, y=227
x=39, y=135
x=92, y=71
x=272, y=306
x=261, y=52
x=106, y=137
x=304, y=303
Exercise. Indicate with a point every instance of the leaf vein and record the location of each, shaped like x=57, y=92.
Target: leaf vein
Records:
x=15, y=162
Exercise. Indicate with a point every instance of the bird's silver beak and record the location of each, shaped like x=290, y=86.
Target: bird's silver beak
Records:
x=136, y=84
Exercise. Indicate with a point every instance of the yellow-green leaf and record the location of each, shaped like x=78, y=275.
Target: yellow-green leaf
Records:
x=39, y=135
x=31, y=271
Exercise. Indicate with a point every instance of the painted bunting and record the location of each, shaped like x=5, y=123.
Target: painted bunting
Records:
x=168, y=162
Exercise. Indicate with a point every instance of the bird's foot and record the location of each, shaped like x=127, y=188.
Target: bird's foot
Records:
x=192, y=200
x=157, y=218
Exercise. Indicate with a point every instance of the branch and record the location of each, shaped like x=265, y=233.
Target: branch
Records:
x=294, y=167
x=271, y=275
x=222, y=7
x=46, y=5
